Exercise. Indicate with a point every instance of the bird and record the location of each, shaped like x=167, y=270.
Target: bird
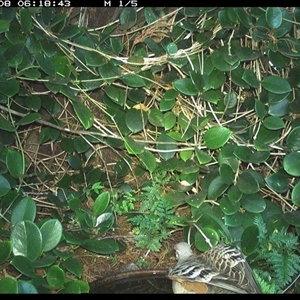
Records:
x=223, y=269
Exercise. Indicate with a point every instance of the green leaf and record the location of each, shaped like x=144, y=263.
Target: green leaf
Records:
x=101, y=203
x=250, y=77
x=276, y=85
x=56, y=277
x=133, y=80
x=62, y=66
x=26, y=240
x=296, y=194
x=293, y=139
x=293, y=218
x=116, y=45
x=75, y=162
x=155, y=117
x=4, y=26
x=202, y=156
x=185, y=86
x=105, y=246
x=24, y=210
x=132, y=146
x=247, y=184
x=29, y=119
x=9, y=87
x=201, y=243
x=278, y=182
x=80, y=145
x=253, y=203
x=226, y=174
x=150, y=15
x=23, y=265
x=234, y=194
x=84, y=114
x=45, y=63
x=136, y=120
x=73, y=266
x=51, y=232
x=5, y=251
x=169, y=120
x=74, y=287
x=216, y=188
x=5, y=125
x=128, y=17
x=273, y=123
x=15, y=163
x=273, y=17
x=4, y=186
x=216, y=137
x=122, y=167
x=228, y=207
x=249, y=240
x=26, y=21
x=230, y=99
x=291, y=163
x=148, y=160
x=25, y=287
x=118, y=95
x=166, y=146
x=8, y=285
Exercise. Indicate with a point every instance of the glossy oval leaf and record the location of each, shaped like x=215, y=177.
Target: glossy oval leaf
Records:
x=28, y=119
x=216, y=137
x=148, y=160
x=73, y=266
x=293, y=139
x=293, y=217
x=276, y=84
x=253, y=203
x=25, y=287
x=226, y=174
x=84, y=114
x=101, y=203
x=128, y=17
x=105, y=246
x=185, y=86
x=56, y=277
x=23, y=265
x=201, y=241
x=278, y=182
x=156, y=117
x=273, y=17
x=15, y=163
x=5, y=251
x=247, y=184
x=216, y=188
x=296, y=194
x=132, y=146
x=234, y=194
x=202, y=156
x=291, y=163
x=4, y=186
x=136, y=119
x=26, y=240
x=5, y=125
x=24, y=210
x=249, y=240
x=118, y=95
x=166, y=146
x=8, y=285
x=228, y=207
x=273, y=123
x=133, y=80
x=51, y=232
x=9, y=87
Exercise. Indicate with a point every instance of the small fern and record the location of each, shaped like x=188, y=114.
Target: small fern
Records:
x=279, y=252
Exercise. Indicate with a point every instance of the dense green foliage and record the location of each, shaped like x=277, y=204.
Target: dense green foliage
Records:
x=200, y=107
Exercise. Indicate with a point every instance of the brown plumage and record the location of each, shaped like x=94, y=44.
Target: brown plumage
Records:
x=222, y=269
